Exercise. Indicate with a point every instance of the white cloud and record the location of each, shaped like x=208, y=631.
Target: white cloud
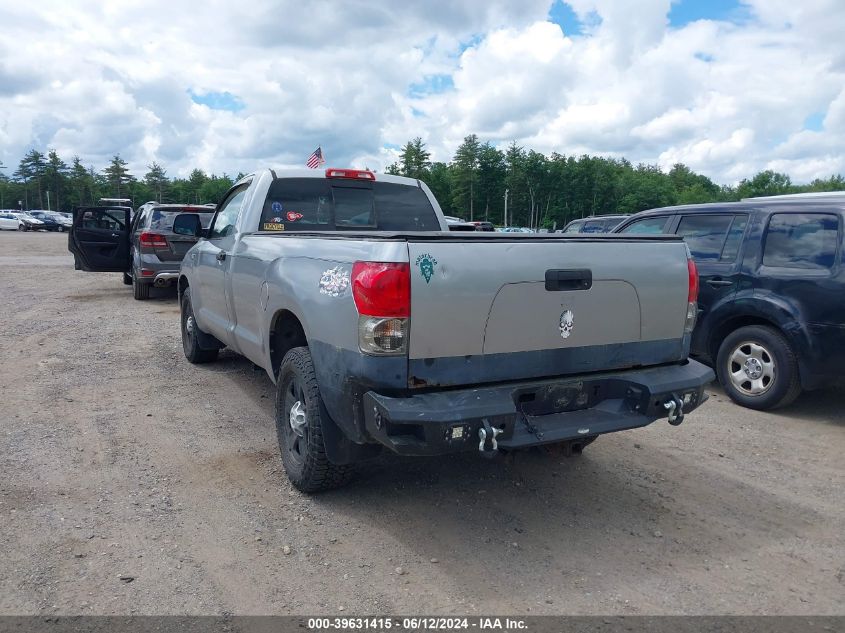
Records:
x=728, y=99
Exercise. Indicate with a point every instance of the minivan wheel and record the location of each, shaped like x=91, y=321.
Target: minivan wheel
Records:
x=299, y=426
x=757, y=368
x=191, y=334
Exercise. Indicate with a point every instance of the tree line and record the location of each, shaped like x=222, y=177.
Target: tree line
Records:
x=515, y=186
x=48, y=182
x=520, y=187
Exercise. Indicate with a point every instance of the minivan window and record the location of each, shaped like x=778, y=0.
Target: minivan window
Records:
x=318, y=204
x=648, y=226
x=705, y=234
x=801, y=240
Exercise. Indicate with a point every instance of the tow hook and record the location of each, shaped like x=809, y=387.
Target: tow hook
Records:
x=484, y=433
x=675, y=406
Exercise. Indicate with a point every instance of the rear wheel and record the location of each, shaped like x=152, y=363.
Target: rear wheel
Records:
x=140, y=290
x=61, y=229
x=299, y=416
x=757, y=368
x=191, y=334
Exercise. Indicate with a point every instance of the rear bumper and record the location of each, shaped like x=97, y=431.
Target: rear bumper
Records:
x=534, y=412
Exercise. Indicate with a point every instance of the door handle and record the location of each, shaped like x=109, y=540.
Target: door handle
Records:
x=715, y=283
x=569, y=280
x=221, y=256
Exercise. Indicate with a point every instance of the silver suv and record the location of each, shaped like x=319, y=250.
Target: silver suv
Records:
x=155, y=251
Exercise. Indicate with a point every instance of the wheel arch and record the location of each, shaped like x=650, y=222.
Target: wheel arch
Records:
x=286, y=332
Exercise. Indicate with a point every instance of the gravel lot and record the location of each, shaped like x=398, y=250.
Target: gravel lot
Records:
x=135, y=483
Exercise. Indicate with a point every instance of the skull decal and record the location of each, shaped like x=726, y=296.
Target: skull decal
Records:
x=567, y=322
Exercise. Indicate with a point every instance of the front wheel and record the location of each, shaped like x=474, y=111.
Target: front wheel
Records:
x=757, y=368
x=127, y=279
x=299, y=426
x=61, y=229
x=22, y=227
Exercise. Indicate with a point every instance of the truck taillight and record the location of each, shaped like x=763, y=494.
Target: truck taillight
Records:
x=153, y=240
x=692, y=296
x=382, y=289
x=382, y=294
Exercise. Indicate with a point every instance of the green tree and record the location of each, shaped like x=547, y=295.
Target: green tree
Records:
x=765, y=183
x=56, y=177
x=491, y=180
x=30, y=172
x=464, y=175
x=414, y=161
x=156, y=179
x=118, y=176
x=439, y=180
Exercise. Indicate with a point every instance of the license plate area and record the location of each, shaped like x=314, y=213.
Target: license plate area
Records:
x=557, y=398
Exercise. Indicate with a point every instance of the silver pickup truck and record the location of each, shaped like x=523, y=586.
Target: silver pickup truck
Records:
x=382, y=329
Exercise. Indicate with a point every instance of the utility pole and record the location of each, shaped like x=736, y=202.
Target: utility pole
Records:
x=506, y=207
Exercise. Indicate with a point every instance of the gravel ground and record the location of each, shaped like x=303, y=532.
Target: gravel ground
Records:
x=135, y=483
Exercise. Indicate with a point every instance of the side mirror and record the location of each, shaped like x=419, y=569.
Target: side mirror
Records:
x=187, y=224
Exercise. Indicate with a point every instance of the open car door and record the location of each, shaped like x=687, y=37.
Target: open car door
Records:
x=99, y=238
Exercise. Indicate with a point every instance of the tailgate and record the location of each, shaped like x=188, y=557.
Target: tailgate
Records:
x=507, y=310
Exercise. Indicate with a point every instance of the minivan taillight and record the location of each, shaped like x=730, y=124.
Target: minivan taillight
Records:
x=153, y=240
x=382, y=295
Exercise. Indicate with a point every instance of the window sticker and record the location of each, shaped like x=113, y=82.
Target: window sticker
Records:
x=272, y=226
x=293, y=216
x=276, y=207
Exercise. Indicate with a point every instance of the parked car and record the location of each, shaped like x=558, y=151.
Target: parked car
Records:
x=10, y=222
x=381, y=330
x=772, y=299
x=595, y=224
x=155, y=250
x=48, y=222
x=29, y=222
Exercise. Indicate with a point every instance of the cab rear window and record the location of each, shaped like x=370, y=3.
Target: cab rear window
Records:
x=317, y=204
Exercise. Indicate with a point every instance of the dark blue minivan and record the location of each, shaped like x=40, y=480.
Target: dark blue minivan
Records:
x=772, y=291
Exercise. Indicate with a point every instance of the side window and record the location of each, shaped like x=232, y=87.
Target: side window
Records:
x=732, y=244
x=227, y=216
x=647, y=226
x=574, y=227
x=99, y=219
x=801, y=240
x=705, y=234
x=593, y=226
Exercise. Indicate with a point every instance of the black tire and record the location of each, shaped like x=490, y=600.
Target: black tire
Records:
x=140, y=290
x=757, y=368
x=303, y=449
x=22, y=227
x=191, y=334
x=127, y=279
x=61, y=229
